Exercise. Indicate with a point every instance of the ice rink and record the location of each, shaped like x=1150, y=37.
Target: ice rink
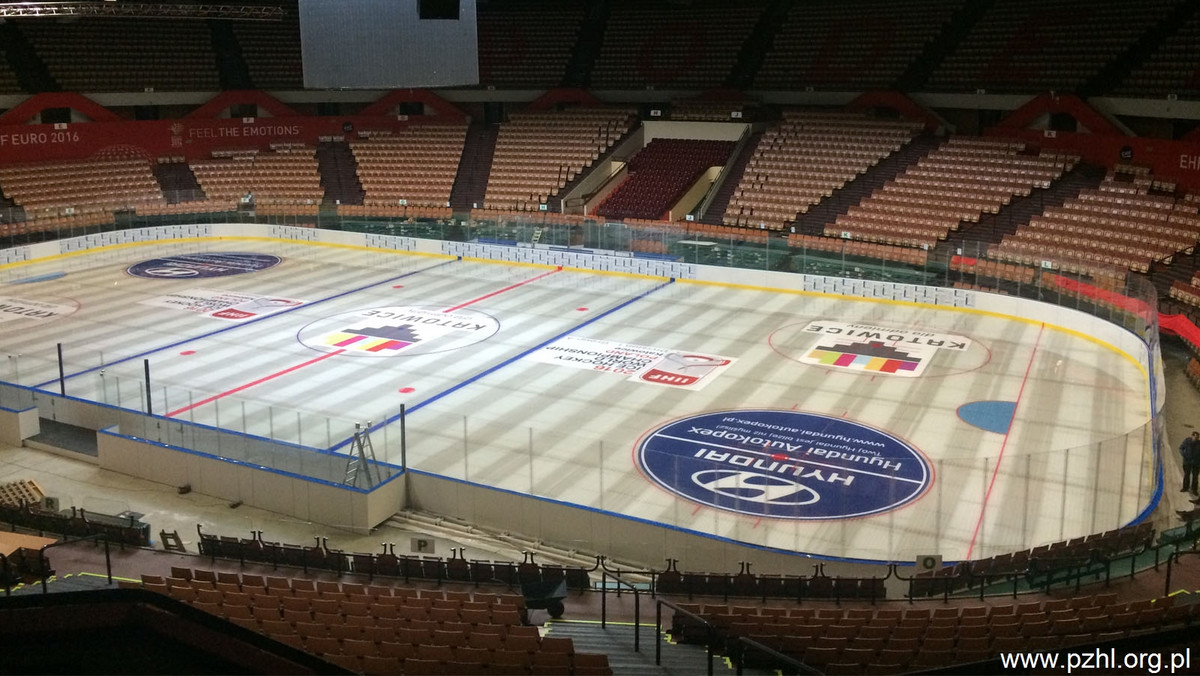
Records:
x=840, y=427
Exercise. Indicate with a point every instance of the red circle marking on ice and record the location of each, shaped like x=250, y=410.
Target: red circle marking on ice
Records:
x=581, y=309
x=778, y=456
x=397, y=286
x=406, y=390
x=187, y=352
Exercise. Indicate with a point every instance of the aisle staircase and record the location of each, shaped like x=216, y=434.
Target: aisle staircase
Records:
x=991, y=228
x=813, y=221
x=231, y=66
x=470, y=183
x=616, y=640
x=177, y=182
x=31, y=71
x=339, y=173
x=716, y=208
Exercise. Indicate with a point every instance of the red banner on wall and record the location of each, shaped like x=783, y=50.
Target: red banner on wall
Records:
x=197, y=135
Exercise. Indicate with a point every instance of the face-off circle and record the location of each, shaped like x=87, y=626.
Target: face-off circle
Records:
x=784, y=464
x=16, y=312
x=398, y=331
x=203, y=265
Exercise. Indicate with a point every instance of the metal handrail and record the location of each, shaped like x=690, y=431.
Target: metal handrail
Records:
x=702, y=208
x=710, y=630
x=1171, y=559
x=4, y=571
x=95, y=536
x=739, y=654
x=637, y=605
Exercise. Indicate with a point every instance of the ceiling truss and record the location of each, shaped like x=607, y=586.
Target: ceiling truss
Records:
x=141, y=10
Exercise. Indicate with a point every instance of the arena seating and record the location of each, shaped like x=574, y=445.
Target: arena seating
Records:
x=1171, y=69
x=126, y=55
x=887, y=252
x=417, y=164
x=698, y=110
x=1120, y=224
x=387, y=564
x=851, y=46
x=284, y=175
x=9, y=84
x=1040, y=45
x=992, y=270
x=660, y=174
x=381, y=629
x=538, y=153
x=81, y=192
x=1193, y=372
x=806, y=158
x=895, y=640
x=1054, y=563
x=24, y=565
x=958, y=182
x=1186, y=292
x=77, y=523
x=528, y=43
x=660, y=45
x=728, y=233
x=271, y=51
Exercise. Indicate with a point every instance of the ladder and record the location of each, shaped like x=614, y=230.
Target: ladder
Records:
x=361, y=451
x=537, y=235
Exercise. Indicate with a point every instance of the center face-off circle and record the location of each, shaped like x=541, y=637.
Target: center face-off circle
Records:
x=398, y=331
x=784, y=464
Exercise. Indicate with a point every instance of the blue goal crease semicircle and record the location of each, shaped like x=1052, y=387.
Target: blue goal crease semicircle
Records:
x=992, y=416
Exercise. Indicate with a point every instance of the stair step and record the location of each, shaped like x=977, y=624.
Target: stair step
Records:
x=339, y=173
x=720, y=203
x=616, y=640
x=474, y=166
x=813, y=222
x=991, y=228
x=177, y=182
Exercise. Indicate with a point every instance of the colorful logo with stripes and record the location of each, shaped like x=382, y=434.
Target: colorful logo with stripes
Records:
x=374, y=339
x=402, y=330
x=876, y=349
x=872, y=356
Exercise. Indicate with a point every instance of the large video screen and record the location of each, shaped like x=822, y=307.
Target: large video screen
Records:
x=387, y=44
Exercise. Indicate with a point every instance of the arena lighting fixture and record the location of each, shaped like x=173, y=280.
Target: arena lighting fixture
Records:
x=141, y=10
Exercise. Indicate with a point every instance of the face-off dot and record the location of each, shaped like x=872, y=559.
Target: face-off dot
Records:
x=407, y=390
x=581, y=309
x=187, y=352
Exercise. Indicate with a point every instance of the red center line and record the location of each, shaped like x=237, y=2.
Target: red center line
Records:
x=252, y=383
x=327, y=355
x=500, y=291
x=1004, y=444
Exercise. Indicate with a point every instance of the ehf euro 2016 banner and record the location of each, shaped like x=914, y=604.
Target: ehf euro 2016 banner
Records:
x=876, y=349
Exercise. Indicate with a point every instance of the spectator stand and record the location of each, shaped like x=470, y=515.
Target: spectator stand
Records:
x=387, y=564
